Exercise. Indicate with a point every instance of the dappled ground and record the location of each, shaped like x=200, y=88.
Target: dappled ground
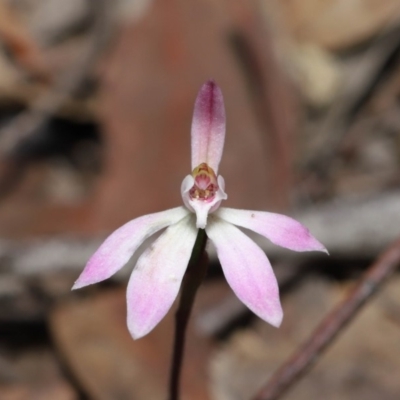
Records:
x=95, y=105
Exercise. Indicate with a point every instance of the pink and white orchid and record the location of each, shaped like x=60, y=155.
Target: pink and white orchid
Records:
x=157, y=276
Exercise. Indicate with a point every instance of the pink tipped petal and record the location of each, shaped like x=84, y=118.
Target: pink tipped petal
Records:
x=279, y=229
x=156, y=279
x=208, y=126
x=247, y=270
x=118, y=248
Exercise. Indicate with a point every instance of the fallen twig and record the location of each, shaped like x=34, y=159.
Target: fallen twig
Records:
x=332, y=325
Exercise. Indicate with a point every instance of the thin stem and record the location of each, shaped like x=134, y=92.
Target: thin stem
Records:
x=332, y=324
x=194, y=276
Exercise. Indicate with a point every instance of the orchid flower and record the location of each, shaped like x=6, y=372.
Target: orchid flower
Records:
x=156, y=279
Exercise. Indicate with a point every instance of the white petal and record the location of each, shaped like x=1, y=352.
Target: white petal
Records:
x=247, y=270
x=186, y=185
x=156, y=279
x=118, y=248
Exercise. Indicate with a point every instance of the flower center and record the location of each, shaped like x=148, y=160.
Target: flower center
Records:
x=205, y=183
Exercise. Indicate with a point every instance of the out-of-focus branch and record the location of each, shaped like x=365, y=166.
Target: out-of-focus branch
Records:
x=364, y=74
x=332, y=325
x=25, y=51
x=47, y=104
x=270, y=93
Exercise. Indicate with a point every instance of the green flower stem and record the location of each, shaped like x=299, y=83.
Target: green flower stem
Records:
x=194, y=276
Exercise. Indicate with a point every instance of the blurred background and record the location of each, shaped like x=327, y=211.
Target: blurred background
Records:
x=96, y=100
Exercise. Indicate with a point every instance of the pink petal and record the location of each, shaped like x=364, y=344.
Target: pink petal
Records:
x=208, y=126
x=279, y=229
x=156, y=279
x=247, y=270
x=118, y=248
